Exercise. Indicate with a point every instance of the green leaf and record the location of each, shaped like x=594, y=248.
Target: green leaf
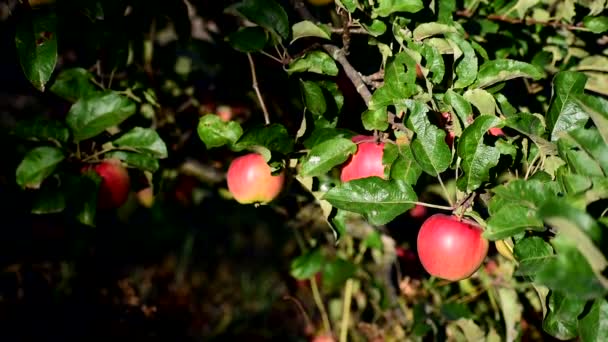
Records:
x=405, y=168
x=37, y=165
x=307, y=265
x=446, y=11
x=530, y=194
x=578, y=160
x=92, y=115
x=596, y=24
x=326, y=155
x=49, y=200
x=375, y=119
x=374, y=241
x=266, y=13
x=388, y=7
x=512, y=219
x=434, y=62
x=42, y=129
x=532, y=253
x=134, y=159
x=426, y=30
x=215, y=133
x=429, y=147
x=248, y=39
x=322, y=134
x=313, y=97
x=511, y=309
x=399, y=84
x=593, y=327
x=526, y=123
x=82, y=193
x=36, y=42
x=483, y=100
x=597, y=108
x=564, y=112
x=466, y=69
x=499, y=70
x=378, y=200
x=477, y=157
x=376, y=28
x=143, y=140
x=561, y=320
x=315, y=61
x=307, y=28
x=589, y=141
x=461, y=106
x=274, y=137
x=336, y=272
x=73, y=84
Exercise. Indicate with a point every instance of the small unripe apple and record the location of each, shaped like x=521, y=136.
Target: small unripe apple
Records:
x=115, y=183
x=250, y=180
x=366, y=161
x=451, y=248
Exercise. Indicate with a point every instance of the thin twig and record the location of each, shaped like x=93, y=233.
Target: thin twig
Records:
x=300, y=307
x=254, y=80
x=317, y=297
x=348, y=295
x=352, y=74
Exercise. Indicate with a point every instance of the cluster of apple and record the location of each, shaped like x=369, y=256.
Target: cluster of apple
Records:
x=449, y=247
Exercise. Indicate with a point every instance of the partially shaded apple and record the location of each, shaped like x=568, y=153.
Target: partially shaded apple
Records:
x=250, y=180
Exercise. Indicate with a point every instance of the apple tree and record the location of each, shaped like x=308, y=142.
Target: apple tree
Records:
x=491, y=114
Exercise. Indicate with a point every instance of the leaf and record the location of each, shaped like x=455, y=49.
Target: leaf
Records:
x=564, y=112
x=376, y=28
x=429, y=147
x=527, y=193
x=315, y=61
x=526, y=123
x=266, y=13
x=594, y=325
x=466, y=69
x=399, y=84
x=307, y=28
x=326, y=155
x=460, y=105
x=561, y=320
x=134, y=159
x=42, y=129
x=307, y=265
x=511, y=310
x=144, y=140
x=532, y=253
x=215, y=133
x=49, y=200
x=597, y=108
x=37, y=165
x=73, y=84
x=387, y=7
x=248, y=39
x=477, y=157
x=596, y=24
x=446, y=11
x=434, y=62
x=375, y=119
x=499, y=70
x=590, y=141
x=36, y=43
x=336, y=272
x=92, y=115
x=274, y=137
x=510, y=220
x=483, y=100
x=378, y=200
x=322, y=134
x=405, y=168
x=82, y=192
x=578, y=160
x=313, y=97
x=426, y=30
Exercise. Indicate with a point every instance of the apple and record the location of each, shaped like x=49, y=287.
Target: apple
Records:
x=115, y=183
x=367, y=160
x=418, y=211
x=495, y=131
x=323, y=338
x=145, y=197
x=451, y=248
x=250, y=180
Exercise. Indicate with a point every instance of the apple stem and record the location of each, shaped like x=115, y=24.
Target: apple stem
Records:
x=96, y=154
x=436, y=206
x=317, y=297
x=254, y=80
x=464, y=205
x=348, y=295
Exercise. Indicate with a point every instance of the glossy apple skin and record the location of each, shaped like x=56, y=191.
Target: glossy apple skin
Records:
x=250, y=180
x=366, y=162
x=115, y=183
x=449, y=248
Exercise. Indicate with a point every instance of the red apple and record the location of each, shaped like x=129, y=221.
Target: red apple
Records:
x=366, y=162
x=495, y=131
x=418, y=211
x=323, y=338
x=250, y=180
x=115, y=183
x=451, y=248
